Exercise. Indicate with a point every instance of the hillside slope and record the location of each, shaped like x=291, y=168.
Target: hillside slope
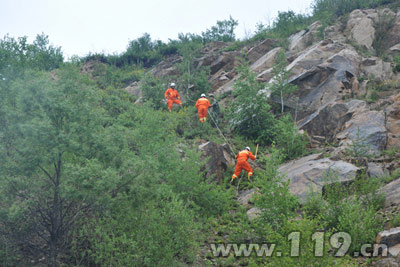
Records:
x=347, y=101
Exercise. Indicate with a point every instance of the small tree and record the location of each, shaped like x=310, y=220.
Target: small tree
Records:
x=223, y=31
x=193, y=78
x=275, y=200
x=250, y=112
x=54, y=162
x=288, y=138
x=280, y=86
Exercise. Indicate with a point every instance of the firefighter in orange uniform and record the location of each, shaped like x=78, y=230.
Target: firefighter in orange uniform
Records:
x=242, y=163
x=202, y=106
x=172, y=96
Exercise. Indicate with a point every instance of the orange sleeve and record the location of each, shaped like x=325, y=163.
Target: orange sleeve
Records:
x=197, y=103
x=252, y=156
x=237, y=156
x=177, y=95
x=166, y=93
x=208, y=104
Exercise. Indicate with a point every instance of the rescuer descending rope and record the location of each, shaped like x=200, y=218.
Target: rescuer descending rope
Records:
x=202, y=106
x=242, y=163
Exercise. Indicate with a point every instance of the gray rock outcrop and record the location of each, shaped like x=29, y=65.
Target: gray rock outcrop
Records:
x=312, y=173
x=392, y=193
x=218, y=159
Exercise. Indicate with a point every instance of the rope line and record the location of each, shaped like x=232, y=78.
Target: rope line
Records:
x=230, y=147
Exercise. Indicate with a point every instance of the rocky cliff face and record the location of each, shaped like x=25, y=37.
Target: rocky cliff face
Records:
x=336, y=70
x=348, y=94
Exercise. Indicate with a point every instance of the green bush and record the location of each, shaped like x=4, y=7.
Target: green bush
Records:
x=153, y=90
x=396, y=61
x=287, y=138
x=280, y=87
x=19, y=54
x=275, y=201
x=314, y=205
x=348, y=208
x=382, y=29
x=358, y=147
x=286, y=24
x=360, y=222
x=223, y=31
x=250, y=113
x=193, y=80
x=161, y=232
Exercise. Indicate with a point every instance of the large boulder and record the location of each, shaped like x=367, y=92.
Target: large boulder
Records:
x=262, y=56
x=267, y=61
x=395, y=50
x=227, y=87
x=350, y=123
x=260, y=49
x=387, y=262
x=322, y=83
x=222, y=64
x=375, y=170
x=391, y=240
x=224, y=61
x=312, y=173
x=365, y=131
x=360, y=29
x=376, y=68
x=313, y=56
x=392, y=193
x=335, y=32
x=303, y=39
x=389, y=237
x=393, y=122
x=365, y=26
x=167, y=67
x=218, y=161
x=327, y=121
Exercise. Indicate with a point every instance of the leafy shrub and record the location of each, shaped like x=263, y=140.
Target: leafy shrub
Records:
x=351, y=209
x=161, y=232
x=358, y=146
x=396, y=61
x=275, y=201
x=279, y=86
x=286, y=24
x=223, y=31
x=288, y=139
x=193, y=79
x=314, y=205
x=250, y=112
x=153, y=90
x=19, y=54
x=360, y=222
x=382, y=29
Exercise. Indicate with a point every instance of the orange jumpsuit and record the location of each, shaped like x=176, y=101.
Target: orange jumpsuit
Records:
x=242, y=163
x=173, y=97
x=202, y=106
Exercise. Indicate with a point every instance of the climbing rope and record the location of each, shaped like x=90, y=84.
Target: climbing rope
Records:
x=188, y=99
x=223, y=136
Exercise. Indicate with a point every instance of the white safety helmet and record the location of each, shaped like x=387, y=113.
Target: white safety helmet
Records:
x=203, y=95
x=248, y=148
x=172, y=85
